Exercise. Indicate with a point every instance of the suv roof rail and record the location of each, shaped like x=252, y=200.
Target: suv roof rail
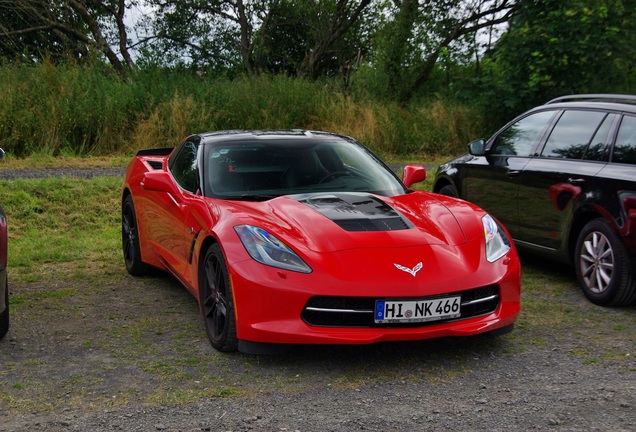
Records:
x=599, y=97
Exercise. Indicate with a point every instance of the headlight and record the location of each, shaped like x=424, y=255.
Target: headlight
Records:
x=267, y=249
x=497, y=242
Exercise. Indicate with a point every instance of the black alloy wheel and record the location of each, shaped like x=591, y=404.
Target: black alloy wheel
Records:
x=130, y=239
x=603, y=266
x=217, y=304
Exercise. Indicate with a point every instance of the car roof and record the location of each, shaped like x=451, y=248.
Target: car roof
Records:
x=614, y=102
x=255, y=135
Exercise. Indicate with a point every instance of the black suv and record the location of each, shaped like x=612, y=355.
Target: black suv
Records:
x=562, y=178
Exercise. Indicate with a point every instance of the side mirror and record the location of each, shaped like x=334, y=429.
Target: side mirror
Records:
x=413, y=174
x=477, y=147
x=160, y=181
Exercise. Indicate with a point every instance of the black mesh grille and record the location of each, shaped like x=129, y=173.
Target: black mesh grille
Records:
x=386, y=224
x=359, y=311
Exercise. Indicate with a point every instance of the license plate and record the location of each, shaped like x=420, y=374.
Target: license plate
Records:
x=413, y=311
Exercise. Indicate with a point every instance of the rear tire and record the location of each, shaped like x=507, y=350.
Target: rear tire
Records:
x=603, y=266
x=217, y=301
x=130, y=239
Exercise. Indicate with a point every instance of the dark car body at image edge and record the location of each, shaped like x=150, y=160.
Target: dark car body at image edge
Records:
x=562, y=178
x=4, y=286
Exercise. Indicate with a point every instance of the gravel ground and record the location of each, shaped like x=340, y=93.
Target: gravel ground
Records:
x=71, y=364
x=540, y=389
x=26, y=173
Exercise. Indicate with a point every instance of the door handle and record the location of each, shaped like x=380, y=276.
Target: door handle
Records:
x=514, y=173
x=576, y=181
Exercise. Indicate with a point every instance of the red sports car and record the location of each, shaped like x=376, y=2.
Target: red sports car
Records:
x=305, y=237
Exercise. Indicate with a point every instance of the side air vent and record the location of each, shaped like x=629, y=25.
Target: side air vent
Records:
x=157, y=165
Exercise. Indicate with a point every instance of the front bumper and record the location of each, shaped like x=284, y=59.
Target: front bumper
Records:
x=270, y=303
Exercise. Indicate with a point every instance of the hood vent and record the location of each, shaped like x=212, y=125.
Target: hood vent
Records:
x=358, y=212
x=387, y=224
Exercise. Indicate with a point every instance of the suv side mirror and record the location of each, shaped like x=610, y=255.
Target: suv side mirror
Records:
x=477, y=147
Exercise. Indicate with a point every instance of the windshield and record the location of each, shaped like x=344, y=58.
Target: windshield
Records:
x=263, y=169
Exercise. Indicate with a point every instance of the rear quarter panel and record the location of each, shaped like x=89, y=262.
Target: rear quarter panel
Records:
x=132, y=184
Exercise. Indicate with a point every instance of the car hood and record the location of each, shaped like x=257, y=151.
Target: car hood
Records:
x=329, y=222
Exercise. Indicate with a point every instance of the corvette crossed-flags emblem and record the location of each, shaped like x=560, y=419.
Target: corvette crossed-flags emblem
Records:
x=413, y=271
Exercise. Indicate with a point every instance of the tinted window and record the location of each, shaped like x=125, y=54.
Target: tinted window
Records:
x=597, y=150
x=184, y=166
x=625, y=147
x=572, y=134
x=264, y=168
x=521, y=137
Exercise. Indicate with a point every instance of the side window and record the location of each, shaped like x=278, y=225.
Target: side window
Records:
x=625, y=147
x=184, y=166
x=521, y=137
x=572, y=134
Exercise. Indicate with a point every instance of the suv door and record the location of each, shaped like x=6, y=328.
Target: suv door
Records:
x=558, y=182
x=492, y=181
x=617, y=183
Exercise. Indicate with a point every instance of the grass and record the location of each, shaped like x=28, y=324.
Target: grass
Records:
x=65, y=258
x=62, y=227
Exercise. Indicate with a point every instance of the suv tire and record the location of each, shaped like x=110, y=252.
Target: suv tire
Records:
x=603, y=266
x=448, y=191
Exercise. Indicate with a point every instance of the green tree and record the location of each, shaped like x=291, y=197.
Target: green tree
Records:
x=58, y=29
x=415, y=34
x=554, y=48
x=300, y=37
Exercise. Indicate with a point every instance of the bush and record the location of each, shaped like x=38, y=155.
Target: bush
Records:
x=75, y=110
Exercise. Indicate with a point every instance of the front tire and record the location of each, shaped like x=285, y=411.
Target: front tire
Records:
x=217, y=302
x=130, y=239
x=603, y=266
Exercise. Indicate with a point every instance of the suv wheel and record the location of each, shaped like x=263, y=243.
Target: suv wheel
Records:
x=603, y=266
x=448, y=191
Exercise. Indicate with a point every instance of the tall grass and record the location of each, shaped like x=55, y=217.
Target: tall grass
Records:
x=72, y=110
